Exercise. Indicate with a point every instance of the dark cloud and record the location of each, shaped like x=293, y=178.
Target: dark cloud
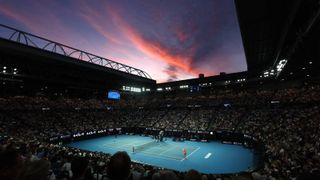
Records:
x=195, y=32
x=171, y=71
x=188, y=36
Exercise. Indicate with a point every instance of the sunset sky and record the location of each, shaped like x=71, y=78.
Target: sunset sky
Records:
x=169, y=39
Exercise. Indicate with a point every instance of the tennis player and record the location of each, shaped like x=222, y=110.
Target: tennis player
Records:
x=185, y=153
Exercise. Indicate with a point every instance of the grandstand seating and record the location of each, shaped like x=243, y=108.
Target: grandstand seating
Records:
x=289, y=129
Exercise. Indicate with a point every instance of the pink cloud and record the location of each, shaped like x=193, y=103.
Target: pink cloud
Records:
x=50, y=27
x=101, y=30
x=98, y=22
x=124, y=42
x=152, y=49
x=7, y=11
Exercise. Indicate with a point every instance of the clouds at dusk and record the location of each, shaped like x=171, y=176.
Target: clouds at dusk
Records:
x=170, y=40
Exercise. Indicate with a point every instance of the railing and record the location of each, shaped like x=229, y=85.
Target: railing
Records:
x=28, y=39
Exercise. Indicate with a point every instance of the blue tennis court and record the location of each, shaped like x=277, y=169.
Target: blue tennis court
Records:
x=211, y=157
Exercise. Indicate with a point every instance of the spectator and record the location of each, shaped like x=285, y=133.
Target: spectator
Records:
x=119, y=167
x=10, y=162
x=289, y=130
x=193, y=175
x=34, y=170
x=79, y=168
x=164, y=175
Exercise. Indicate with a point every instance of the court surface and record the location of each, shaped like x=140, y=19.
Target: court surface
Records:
x=211, y=157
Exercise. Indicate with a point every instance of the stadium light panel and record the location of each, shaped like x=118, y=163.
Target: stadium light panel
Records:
x=281, y=65
x=184, y=86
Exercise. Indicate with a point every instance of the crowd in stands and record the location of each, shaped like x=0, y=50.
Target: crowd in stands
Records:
x=289, y=128
x=291, y=137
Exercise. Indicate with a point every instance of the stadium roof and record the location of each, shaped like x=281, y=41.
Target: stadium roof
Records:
x=273, y=30
x=31, y=64
x=28, y=39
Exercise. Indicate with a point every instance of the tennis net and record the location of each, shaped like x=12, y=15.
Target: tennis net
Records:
x=143, y=146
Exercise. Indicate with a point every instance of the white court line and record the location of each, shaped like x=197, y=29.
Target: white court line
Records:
x=207, y=156
x=191, y=153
